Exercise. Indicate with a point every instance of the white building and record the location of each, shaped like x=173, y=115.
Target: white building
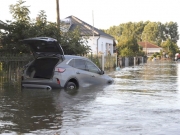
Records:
x=99, y=41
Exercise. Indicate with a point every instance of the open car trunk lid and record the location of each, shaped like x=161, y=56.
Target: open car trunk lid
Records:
x=44, y=46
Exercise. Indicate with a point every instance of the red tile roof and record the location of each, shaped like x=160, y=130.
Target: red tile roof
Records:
x=148, y=45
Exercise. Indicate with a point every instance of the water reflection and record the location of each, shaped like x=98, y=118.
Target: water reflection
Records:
x=143, y=100
x=29, y=110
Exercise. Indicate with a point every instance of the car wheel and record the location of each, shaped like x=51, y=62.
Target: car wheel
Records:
x=71, y=86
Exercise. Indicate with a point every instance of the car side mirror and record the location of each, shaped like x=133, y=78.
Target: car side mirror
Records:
x=101, y=72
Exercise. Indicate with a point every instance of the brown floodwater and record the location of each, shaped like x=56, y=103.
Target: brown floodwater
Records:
x=143, y=100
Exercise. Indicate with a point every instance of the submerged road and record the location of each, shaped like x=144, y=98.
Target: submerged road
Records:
x=144, y=100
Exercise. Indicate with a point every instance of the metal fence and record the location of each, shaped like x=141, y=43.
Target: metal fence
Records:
x=109, y=63
x=11, y=65
x=105, y=63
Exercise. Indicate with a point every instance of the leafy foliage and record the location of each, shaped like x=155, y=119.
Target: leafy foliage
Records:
x=154, y=32
x=170, y=47
x=20, y=12
x=150, y=32
x=22, y=28
x=128, y=46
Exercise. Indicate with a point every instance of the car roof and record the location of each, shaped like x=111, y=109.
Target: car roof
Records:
x=74, y=56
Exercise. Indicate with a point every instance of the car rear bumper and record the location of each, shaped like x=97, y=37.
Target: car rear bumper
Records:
x=42, y=84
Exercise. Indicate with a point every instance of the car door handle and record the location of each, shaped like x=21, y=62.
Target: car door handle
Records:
x=93, y=76
x=77, y=73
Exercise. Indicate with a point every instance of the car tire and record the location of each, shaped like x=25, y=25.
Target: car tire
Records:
x=71, y=86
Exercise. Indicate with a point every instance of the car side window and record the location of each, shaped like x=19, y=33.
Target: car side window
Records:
x=71, y=63
x=91, y=67
x=80, y=64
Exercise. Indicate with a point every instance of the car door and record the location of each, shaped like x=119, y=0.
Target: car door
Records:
x=94, y=72
x=83, y=76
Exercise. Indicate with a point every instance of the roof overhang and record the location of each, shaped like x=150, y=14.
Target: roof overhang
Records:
x=3, y=25
x=107, y=37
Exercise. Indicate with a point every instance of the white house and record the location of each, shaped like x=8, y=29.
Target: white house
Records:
x=99, y=41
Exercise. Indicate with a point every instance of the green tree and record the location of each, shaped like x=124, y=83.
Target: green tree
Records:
x=139, y=27
x=171, y=31
x=160, y=36
x=19, y=11
x=16, y=30
x=170, y=47
x=22, y=28
x=11, y=36
x=150, y=32
x=154, y=32
x=128, y=46
x=73, y=43
x=128, y=35
x=41, y=18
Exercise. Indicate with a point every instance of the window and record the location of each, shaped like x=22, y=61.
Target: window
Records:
x=80, y=64
x=71, y=63
x=91, y=67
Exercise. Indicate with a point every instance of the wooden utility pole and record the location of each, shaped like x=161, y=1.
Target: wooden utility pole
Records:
x=93, y=29
x=58, y=15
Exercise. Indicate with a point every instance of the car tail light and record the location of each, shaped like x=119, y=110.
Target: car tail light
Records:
x=58, y=81
x=60, y=70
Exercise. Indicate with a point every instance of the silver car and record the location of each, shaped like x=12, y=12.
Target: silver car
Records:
x=52, y=69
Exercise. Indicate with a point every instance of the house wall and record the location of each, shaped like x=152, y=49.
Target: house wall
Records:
x=152, y=50
x=92, y=42
x=105, y=45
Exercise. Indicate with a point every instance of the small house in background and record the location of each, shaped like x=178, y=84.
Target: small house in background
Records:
x=99, y=41
x=150, y=48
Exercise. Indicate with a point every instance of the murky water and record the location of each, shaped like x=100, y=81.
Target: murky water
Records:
x=144, y=100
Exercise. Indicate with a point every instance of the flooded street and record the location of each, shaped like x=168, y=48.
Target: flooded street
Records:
x=143, y=100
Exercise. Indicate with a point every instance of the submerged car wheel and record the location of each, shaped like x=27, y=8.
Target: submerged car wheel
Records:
x=71, y=86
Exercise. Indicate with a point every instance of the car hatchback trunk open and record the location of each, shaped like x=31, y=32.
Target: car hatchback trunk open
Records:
x=42, y=68
x=52, y=69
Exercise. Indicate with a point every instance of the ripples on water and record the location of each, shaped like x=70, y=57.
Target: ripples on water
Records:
x=143, y=100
